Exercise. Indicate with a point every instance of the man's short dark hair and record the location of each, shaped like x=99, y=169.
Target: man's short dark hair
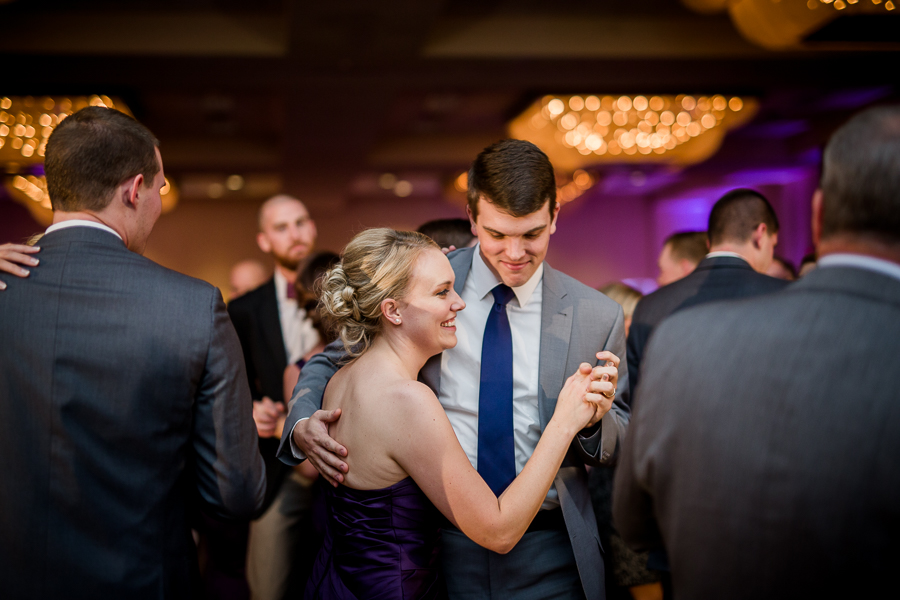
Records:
x=513, y=175
x=737, y=214
x=448, y=232
x=687, y=245
x=91, y=153
x=861, y=176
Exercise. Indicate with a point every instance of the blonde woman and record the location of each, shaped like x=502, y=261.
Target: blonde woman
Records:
x=393, y=302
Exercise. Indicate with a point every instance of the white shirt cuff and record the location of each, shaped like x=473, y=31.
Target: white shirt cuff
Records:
x=298, y=454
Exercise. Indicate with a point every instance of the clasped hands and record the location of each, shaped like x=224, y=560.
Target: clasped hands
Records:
x=326, y=455
x=269, y=417
x=604, y=379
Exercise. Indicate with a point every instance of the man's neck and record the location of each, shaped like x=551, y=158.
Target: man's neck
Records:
x=855, y=244
x=60, y=216
x=739, y=249
x=289, y=275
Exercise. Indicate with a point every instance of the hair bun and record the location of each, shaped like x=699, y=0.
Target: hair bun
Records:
x=375, y=265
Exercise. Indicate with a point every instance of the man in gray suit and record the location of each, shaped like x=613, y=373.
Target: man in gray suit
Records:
x=764, y=453
x=123, y=398
x=557, y=323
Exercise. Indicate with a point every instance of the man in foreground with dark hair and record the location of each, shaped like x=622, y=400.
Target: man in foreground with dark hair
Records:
x=680, y=255
x=764, y=453
x=499, y=393
x=123, y=397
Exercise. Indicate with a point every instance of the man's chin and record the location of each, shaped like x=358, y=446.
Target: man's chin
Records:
x=515, y=278
x=289, y=262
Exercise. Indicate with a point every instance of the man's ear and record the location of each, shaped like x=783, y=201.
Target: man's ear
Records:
x=554, y=217
x=131, y=189
x=818, y=201
x=262, y=240
x=471, y=220
x=758, y=234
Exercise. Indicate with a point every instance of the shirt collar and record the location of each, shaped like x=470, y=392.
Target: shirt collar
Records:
x=860, y=261
x=81, y=223
x=721, y=253
x=484, y=280
x=281, y=287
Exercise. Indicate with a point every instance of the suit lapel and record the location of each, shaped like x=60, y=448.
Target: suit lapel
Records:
x=556, y=331
x=461, y=261
x=270, y=323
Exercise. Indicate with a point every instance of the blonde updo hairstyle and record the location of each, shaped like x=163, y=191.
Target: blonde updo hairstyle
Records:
x=376, y=265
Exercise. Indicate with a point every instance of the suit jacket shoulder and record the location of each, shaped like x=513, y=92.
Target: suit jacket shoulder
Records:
x=797, y=387
x=719, y=278
x=131, y=373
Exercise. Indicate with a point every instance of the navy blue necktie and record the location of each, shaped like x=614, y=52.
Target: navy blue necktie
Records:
x=496, y=448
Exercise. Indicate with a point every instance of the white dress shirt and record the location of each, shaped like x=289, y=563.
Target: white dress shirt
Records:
x=720, y=253
x=81, y=223
x=461, y=366
x=297, y=329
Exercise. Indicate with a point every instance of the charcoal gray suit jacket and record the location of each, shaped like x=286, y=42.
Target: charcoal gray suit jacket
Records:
x=123, y=401
x=764, y=449
x=716, y=278
x=576, y=323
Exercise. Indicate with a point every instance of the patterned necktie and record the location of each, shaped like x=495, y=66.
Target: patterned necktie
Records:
x=496, y=448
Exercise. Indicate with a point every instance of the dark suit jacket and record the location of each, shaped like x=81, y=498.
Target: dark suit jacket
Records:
x=576, y=323
x=720, y=278
x=258, y=325
x=122, y=400
x=764, y=451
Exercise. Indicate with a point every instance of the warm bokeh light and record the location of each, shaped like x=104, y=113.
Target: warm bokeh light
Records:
x=169, y=196
x=234, y=183
x=386, y=181
x=27, y=119
x=462, y=182
x=403, y=188
x=589, y=127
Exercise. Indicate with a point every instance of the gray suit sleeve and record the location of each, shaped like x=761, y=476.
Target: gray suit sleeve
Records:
x=308, y=393
x=599, y=445
x=633, y=512
x=230, y=473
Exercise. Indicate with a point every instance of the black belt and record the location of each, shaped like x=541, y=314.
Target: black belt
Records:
x=545, y=520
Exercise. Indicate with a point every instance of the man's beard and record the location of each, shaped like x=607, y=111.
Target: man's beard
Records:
x=289, y=262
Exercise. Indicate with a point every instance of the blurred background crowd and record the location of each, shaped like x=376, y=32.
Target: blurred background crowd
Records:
x=288, y=127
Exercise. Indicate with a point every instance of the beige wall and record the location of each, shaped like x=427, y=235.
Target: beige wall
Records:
x=204, y=238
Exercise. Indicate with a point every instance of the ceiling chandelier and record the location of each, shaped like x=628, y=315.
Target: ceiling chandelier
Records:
x=25, y=126
x=579, y=130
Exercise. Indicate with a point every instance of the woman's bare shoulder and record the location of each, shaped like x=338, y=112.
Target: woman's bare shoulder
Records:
x=410, y=391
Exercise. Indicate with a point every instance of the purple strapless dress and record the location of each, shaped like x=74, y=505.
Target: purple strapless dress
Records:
x=379, y=544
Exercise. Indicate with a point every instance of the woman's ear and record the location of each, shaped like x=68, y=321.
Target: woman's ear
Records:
x=391, y=311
